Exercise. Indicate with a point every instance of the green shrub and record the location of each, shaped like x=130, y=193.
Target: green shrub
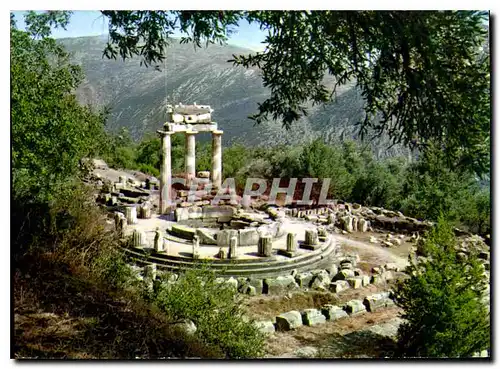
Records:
x=379, y=184
x=234, y=158
x=148, y=152
x=204, y=156
x=432, y=187
x=442, y=301
x=76, y=271
x=285, y=161
x=119, y=150
x=148, y=169
x=476, y=216
x=214, y=308
x=319, y=160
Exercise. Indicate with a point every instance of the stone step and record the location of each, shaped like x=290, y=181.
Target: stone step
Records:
x=267, y=268
x=262, y=269
x=242, y=263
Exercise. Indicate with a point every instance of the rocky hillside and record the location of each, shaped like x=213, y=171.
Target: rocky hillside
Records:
x=137, y=95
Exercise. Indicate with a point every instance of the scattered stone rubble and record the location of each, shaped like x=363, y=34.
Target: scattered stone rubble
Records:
x=129, y=199
x=341, y=275
x=350, y=218
x=292, y=320
x=134, y=198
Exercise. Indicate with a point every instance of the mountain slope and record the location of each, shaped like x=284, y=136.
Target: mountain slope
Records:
x=138, y=95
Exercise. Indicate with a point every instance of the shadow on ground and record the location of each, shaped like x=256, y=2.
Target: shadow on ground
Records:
x=60, y=314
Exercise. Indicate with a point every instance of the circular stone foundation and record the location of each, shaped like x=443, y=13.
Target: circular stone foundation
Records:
x=181, y=249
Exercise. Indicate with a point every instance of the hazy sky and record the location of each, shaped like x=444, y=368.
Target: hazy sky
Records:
x=92, y=23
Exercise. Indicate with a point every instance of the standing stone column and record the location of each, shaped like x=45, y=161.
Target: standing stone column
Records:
x=158, y=243
x=190, y=159
x=144, y=211
x=196, y=247
x=165, y=171
x=265, y=246
x=131, y=214
x=233, y=248
x=222, y=253
x=216, y=173
x=311, y=237
x=291, y=242
x=138, y=238
x=363, y=225
x=322, y=234
x=347, y=223
x=118, y=216
x=355, y=224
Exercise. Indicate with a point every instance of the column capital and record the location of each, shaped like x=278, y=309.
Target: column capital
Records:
x=165, y=133
x=217, y=132
x=191, y=132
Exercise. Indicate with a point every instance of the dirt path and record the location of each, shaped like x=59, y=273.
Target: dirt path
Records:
x=370, y=253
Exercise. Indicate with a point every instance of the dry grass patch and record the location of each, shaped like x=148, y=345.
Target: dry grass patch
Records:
x=267, y=307
x=59, y=313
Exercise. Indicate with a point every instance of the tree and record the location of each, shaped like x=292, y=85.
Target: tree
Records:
x=443, y=301
x=424, y=74
x=148, y=155
x=481, y=221
x=380, y=184
x=120, y=150
x=319, y=160
x=51, y=132
x=235, y=158
x=431, y=187
x=204, y=156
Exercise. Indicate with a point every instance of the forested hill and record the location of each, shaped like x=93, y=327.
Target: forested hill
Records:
x=137, y=95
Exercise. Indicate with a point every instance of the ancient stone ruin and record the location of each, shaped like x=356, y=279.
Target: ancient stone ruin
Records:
x=255, y=248
x=190, y=120
x=259, y=248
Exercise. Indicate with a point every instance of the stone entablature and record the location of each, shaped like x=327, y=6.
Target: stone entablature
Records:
x=186, y=127
x=189, y=113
